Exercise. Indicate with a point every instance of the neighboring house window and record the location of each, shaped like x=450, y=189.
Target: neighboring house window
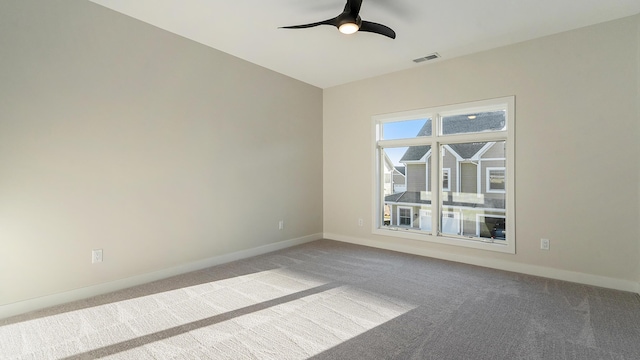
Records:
x=467, y=153
x=495, y=179
x=405, y=216
x=445, y=179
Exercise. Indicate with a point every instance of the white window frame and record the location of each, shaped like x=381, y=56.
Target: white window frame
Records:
x=488, y=178
x=435, y=140
x=448, y=171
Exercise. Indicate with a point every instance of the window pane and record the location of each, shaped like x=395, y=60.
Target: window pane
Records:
x=475, y=205
x=406, y=129
x=394, y=171
x=407, y=197
x=474, y=122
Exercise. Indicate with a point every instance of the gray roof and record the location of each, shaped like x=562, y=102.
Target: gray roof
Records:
x=415, y=153
x=467, y=150
x=401, y=169
x=486, y=121
x=394, y=197
x=410, y=197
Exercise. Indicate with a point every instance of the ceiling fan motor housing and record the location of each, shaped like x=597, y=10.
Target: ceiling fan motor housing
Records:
x=348, y=19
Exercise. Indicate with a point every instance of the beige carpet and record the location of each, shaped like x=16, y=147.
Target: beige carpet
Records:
x=329, y=300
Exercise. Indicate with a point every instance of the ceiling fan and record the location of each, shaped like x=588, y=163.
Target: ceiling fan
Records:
x=349, y=22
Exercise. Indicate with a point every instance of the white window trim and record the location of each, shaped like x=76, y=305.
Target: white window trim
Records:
x=488, y=177
x=410, y=215
x=448, y=171
x=507, y=246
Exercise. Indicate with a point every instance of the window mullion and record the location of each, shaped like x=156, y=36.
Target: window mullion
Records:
x=473, y=137
x=435, y=176
x=435, y=189
x=380, y=187
x=404, y=142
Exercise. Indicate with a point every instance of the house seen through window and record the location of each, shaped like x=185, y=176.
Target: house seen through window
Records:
x=454, y=162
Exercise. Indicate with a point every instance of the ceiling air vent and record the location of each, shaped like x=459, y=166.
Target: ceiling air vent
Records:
x=427, y=58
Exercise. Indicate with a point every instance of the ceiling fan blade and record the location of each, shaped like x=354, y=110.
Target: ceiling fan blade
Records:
x=372, y=27
x=333, y=22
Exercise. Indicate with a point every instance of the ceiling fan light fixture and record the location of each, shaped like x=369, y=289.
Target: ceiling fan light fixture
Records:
x=349, y=22
x=349, y=28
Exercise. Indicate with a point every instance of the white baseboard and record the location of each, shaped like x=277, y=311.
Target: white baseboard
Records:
x=558, y=274
x=25, y=306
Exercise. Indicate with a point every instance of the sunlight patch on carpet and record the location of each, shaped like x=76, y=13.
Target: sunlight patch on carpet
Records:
x=101, y=326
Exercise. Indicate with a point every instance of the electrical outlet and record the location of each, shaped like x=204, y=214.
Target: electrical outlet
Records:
x=360, y=222
x=96, y=256
x=280, y=224
x=544, y=244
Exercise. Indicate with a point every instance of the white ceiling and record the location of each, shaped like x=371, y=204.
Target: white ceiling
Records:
x=324, y=57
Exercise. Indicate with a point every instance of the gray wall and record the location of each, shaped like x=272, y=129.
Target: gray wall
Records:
x=416, y=177
x=577, y=100
x=469, y=178
x=117, y=135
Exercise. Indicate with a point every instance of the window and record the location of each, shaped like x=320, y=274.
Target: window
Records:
x=405, y=216
x=495, y=179
x=458, y=163
x=445, y=179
